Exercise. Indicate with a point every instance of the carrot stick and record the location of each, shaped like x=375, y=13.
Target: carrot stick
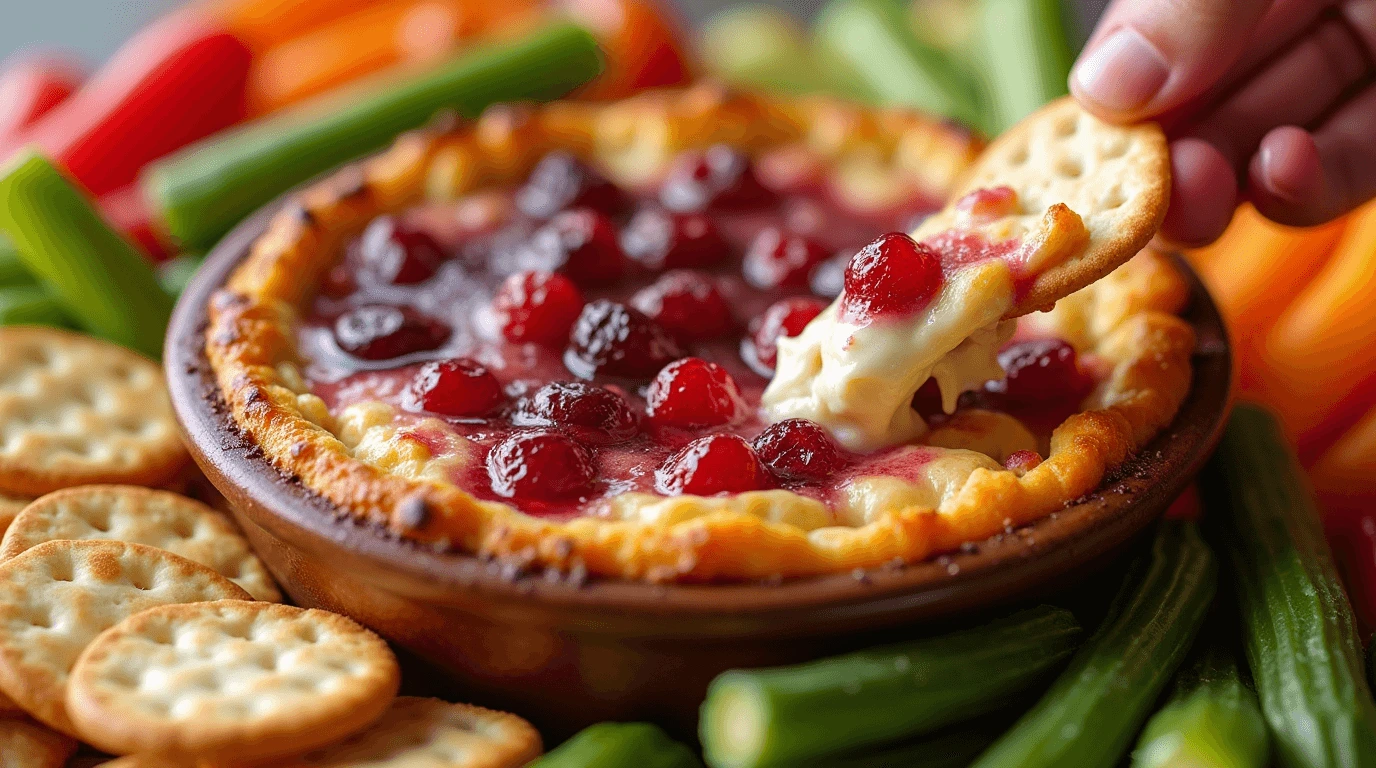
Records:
x=1344, y=476
x=370, y=40
x=265, y=23
x=1258, y=267
x=1321, y=353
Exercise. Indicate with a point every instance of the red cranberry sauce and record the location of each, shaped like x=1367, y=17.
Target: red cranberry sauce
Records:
x=591, y=341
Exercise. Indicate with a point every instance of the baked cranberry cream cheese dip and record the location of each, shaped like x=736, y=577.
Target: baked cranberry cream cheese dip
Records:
x=684, y=337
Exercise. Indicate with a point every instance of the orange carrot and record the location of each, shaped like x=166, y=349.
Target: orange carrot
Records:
x=266, y=23
x=1320, y=356
x=1344, y=476
x=1258, y=267
x=383, y=35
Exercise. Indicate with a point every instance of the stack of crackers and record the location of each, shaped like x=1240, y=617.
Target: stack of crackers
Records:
x=138, y=621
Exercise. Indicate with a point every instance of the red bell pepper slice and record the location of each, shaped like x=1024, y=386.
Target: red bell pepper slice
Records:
x=32, y=86
x=180, y=79
x=643, y=42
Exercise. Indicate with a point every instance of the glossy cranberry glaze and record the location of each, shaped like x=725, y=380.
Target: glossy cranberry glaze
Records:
x=589, y=341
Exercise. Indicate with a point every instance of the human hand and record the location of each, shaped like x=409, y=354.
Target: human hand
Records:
x=1270, y=101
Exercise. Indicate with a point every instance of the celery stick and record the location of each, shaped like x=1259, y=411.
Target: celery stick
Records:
x=875, y=39
x=620, y=745
x=12, y=269
x=205, y=189
x=104, y=283
x=30, y=305
x=175, y=274
x=1026, y=51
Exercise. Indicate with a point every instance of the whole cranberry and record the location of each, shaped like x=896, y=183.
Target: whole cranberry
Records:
x=537, y=307
x=799, y=450
x=894, y=276
x=687, y=304
x=398, y=253
x=720, y=177
x=657, y=239
x=713, y=464
x=594, y=414
x=561, y=181
x=691, y=393
x=540, y=465
x=776, y=259
x=1038, y=371
x=580, y=243
x=381, y=332
x=457, y=387
x=786, y=317
x=614, y=339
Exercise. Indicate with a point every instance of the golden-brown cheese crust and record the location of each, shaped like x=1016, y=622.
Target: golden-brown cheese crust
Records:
x=250, y=337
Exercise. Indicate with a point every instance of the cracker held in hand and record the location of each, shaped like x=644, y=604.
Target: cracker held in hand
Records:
x=159, y=519
x=29, y=745
x=1087, y=196
x=429, y=733
x=77, y=410
x=230, y=679
x=57, y=597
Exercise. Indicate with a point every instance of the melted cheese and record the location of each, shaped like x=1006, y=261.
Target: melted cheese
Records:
x=858, y=381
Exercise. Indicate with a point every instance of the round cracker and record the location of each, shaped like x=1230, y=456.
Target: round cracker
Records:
x=29, y=745
x=76, y=410
x=159, y=519
x=1116, y=177
x=230, y=679
x=428, y=733
x=57, y=597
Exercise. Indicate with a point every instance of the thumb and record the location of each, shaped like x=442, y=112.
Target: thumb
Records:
x=1149, y=56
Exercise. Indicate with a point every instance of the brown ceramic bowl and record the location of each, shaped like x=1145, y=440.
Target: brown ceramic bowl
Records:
x=566, y=654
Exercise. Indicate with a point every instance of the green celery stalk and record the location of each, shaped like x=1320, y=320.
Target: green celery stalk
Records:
x=1091, y=713
x=12, y=269
x=620, y=745
x=1212, y=718
x=1298, y=629
x=175, y=274
x=798, y=715
x=1025, y=49
x=30, y=305
x=103, y=282
x=205, y=189
x=763, y=47
x=875, y=39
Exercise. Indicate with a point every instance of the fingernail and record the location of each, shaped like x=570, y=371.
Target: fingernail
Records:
x=1123, y=73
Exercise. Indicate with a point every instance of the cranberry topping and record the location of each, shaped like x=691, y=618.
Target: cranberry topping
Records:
x=927, y=400
x=379, y=332
x=594, y=414
x=537, y=307
x=580, y=243
x=777, y=259
x=561, y=181
x=783, y=318
x=395, y=252
x=1022, y=462
x=658, y=239
x=687, y=304
x=693, y=393
x=713, y=464
x=540, y=465
x=459, y=387
x=612, y=338
x=989, y=204
x=894, y=276
x=1037, y=372
x=799, y=450
x=721, y=177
